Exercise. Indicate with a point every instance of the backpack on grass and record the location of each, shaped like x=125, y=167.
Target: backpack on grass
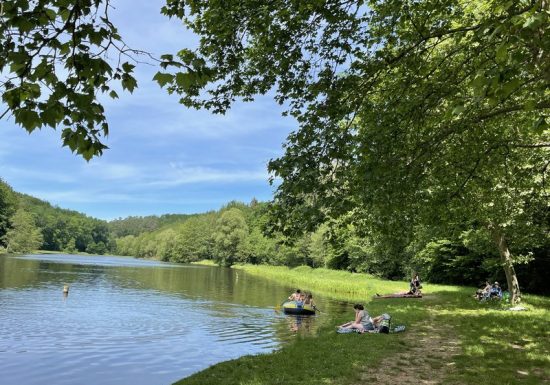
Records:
x=385, y=324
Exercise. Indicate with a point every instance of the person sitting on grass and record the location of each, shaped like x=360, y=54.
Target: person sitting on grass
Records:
x=415, y=285
x=362, y=321
x=483, y=291
x=496, y=291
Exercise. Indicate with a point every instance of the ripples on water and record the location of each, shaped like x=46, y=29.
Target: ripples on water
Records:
x=128, y=321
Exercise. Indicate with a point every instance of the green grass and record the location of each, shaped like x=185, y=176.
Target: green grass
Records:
x=205, y=262
x=334, y=283
x=494, y=346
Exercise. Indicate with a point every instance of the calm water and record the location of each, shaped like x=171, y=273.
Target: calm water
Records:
x=129, y=321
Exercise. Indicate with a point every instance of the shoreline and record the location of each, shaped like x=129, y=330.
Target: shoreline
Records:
x=465, y=332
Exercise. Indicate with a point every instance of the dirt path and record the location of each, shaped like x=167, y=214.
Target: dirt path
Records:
x=427, y=357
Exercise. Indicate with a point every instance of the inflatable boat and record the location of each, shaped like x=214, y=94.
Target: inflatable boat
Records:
x=297, y=308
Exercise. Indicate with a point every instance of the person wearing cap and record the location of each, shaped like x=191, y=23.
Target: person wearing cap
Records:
x=496, y=291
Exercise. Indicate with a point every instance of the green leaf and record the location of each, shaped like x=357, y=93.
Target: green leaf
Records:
x=50, y=13
x=52, y=116
x=540, y=125
x=458, y=109
x=29, y=119
x=505, y=6
x=65, y=48
x=64, y=13
x=185, y=80
x=128, y=83
x=127, y=67
x=510, y=87
x=105, y=128
x=23, y=24
x=529, y=105
x=162, y=78
x=63, y=3
x=95, y=38
x=534, y=21
x=113, y=94
x=502, y=53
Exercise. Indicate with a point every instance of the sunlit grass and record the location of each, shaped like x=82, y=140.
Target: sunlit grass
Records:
x=205, y=262
x=336, y=283
x=494, y=345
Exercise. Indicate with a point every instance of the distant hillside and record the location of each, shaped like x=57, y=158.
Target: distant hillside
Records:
x=67, y=230
x=136, y=225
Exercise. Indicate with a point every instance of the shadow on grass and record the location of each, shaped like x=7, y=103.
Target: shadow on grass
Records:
x=496, y=346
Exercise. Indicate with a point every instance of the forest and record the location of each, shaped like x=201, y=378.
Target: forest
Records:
x=240, y=233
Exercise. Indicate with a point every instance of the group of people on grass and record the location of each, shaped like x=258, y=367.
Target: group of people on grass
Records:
x=302, y=298
x=489, y=291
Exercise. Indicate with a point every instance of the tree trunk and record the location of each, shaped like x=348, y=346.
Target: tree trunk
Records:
x=506, y=258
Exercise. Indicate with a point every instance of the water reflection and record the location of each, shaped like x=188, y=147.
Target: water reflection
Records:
x=133, y=321
x=300, y=323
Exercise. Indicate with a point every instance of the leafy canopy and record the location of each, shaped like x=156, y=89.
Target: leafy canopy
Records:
x=400, y=104
x=411, y=112
x=53, y=67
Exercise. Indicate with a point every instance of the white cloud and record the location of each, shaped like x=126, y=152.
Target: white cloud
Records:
x=112, y=171
x=184, y=175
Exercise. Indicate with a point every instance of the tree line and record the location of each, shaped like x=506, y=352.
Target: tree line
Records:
x=241, y=233
x=28, y=224
x=244, y=233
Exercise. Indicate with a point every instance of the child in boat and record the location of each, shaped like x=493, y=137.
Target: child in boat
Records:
x=309, y=300
x=295, y=296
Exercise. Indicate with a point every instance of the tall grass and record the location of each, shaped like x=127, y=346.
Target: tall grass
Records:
x=335, y=283
x=496, y=346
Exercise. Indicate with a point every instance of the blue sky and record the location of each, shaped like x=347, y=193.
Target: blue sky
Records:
x=163, y=158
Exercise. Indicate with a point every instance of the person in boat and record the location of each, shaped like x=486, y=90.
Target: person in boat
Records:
x=362, y=321
x=309, y=300
x=300, y=300
x=295, y=296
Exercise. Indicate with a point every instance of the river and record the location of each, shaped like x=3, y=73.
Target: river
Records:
x=132, y=321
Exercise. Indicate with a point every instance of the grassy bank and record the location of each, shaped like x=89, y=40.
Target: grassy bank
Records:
x=337, y=284
x=450, y=338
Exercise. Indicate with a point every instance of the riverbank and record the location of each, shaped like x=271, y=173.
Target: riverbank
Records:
x=450, y=338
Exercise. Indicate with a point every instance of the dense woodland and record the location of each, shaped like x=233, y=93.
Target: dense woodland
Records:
x=28, y=223
x=240, y=232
